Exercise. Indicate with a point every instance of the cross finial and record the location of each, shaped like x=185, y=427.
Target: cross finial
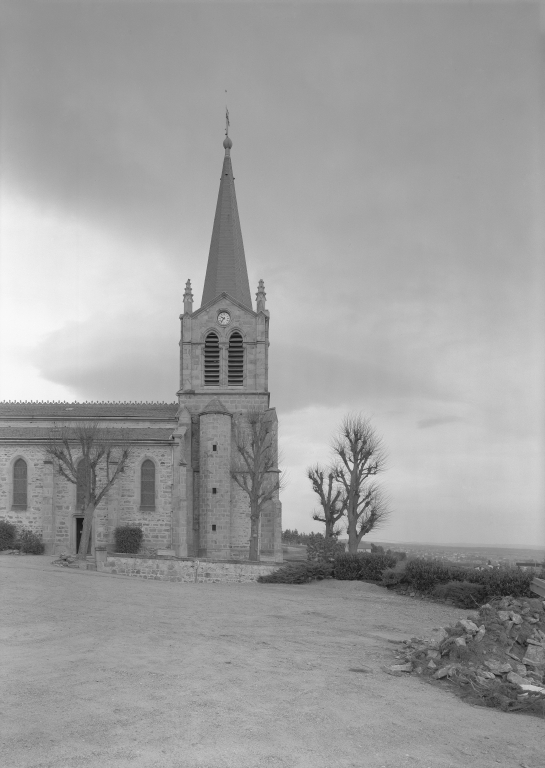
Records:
x=227, y=123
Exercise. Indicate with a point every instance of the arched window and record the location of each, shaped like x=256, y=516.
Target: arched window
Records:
x=235, y=368
x=81, y=486
x=20, y=484
x=212, y=359
x=147, y=485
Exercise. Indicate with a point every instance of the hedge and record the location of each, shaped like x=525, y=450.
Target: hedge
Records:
x=367, y=567
x=298, y=573
x=320, y=548
x=8, y=534
x=30, y=543
x=128, y=539
x=424, y=575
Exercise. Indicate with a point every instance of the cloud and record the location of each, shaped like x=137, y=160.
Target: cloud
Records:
x=436, y=421
x=113, y=359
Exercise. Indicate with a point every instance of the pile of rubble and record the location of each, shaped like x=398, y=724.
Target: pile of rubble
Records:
x=494, y=657
x=66, y=561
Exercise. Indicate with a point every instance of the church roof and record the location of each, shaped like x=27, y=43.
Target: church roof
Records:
x=132, y=434
x=226, y=270
x=62, y=410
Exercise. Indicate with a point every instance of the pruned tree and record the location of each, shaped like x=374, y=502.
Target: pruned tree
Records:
x=331, y=495
x=360, y=456
x=92, y=457
x=255, y=466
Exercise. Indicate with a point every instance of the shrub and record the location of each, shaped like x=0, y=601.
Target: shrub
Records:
x=30, y=543
x=399, y=556
x=8, y=533
x=464, y=594
x=322, y=549
x=391, y=577
x=128, y=539
x=368, y=567
x=424, y=574
x=504, y=581
x=298, y=573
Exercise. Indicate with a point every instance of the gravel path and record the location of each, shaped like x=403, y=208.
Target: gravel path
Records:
x=112, y=672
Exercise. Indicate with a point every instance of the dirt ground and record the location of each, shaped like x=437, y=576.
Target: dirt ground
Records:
x=110, y=672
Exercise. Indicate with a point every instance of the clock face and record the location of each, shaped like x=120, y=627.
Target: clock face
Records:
x=224, y=318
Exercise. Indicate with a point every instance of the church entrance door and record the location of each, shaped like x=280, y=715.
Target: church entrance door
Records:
x=79, y=530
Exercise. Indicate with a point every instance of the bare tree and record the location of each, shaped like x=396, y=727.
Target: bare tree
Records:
x=81, y=452
x=331, y=495
x=254, y=466
x=360, y=455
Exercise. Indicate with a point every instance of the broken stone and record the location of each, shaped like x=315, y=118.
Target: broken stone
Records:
x=468, y=626
x=512, y=677
x=535, y=656
x=480, y=634
x=521, y=670
x=401, y=667
x=432, y=654
x=532, y=688
x=533, y=641
x=497, y=667
x=516, y=618
x=461, y=641
x=486, y=674
x=503, y=615
x=514, y=656
x=473, y=615
x=441, y=673
x=432, y=664
x=436, y=638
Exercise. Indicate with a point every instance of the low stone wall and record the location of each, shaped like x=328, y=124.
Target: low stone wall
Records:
x=184, y=569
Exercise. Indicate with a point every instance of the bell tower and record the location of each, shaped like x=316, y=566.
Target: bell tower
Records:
x=223, y=378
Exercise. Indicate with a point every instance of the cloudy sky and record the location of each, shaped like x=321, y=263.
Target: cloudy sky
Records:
x=387, y=168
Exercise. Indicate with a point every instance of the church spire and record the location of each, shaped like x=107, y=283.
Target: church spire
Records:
x=226, y=270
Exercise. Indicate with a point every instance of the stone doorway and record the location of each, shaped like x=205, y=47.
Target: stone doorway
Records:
x=79, y=530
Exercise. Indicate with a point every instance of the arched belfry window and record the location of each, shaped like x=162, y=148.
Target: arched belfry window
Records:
x=212, y=359
x=20, y=484
x=235, y=368
x=81, y=486
x=147, y=485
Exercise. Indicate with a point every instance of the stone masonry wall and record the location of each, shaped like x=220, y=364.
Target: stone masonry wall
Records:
x=31, y=518
x=156, y=524
x=190, y=571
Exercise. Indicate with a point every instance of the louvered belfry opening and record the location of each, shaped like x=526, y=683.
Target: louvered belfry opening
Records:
x=235, y=367
x=212, y=360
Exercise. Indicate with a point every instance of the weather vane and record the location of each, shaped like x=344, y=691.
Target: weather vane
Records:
x=227, y=123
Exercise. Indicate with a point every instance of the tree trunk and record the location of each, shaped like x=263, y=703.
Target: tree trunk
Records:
x=254, y=538
x=86, y=532
x=352, y=535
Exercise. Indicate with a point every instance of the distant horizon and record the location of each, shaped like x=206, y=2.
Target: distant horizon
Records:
x=536, y=547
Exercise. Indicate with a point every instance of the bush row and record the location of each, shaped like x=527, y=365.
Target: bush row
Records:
x=366, y=567
x=24, y=540
x=425, y=575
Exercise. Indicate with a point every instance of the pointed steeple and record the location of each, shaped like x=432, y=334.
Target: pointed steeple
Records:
x=226, y=270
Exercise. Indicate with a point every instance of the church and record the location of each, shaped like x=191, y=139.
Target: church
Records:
x=178, y=485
